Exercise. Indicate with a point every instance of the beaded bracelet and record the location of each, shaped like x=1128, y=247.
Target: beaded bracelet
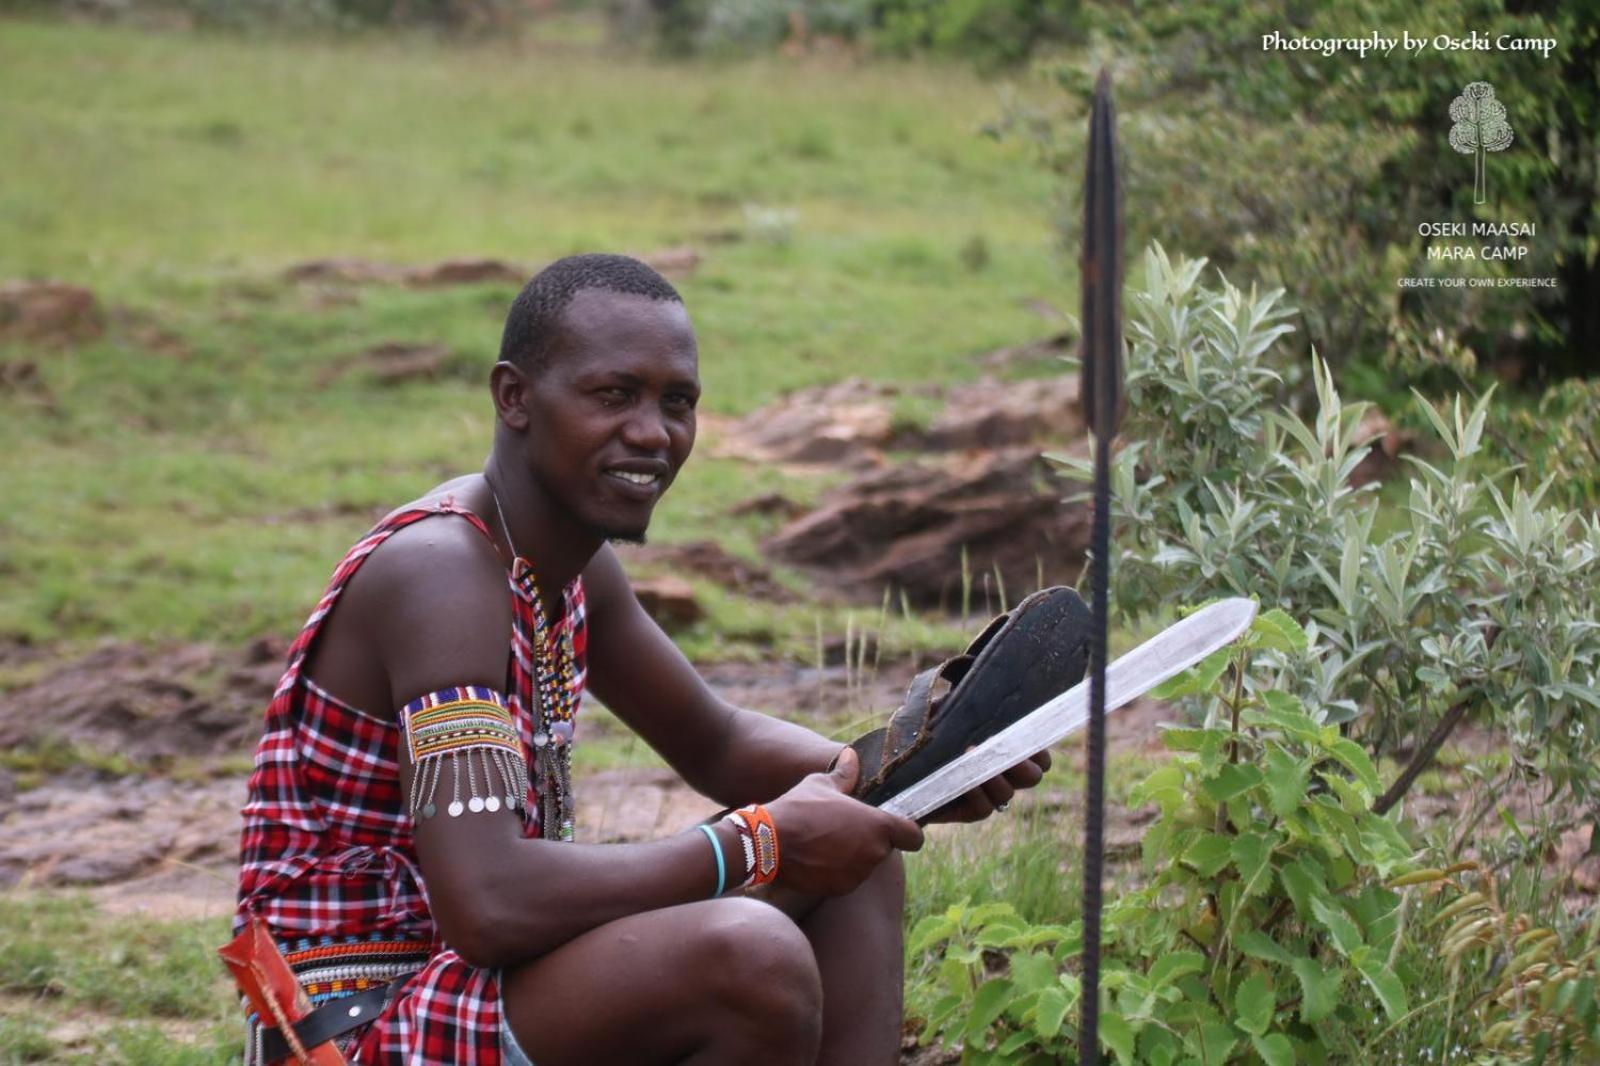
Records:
x=759, y=838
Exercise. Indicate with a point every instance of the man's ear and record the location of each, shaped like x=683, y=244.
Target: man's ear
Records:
x=509, y=386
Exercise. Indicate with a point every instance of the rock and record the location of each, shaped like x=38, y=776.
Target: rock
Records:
x=393, y=362
x=49, y=313
x=676, y=262
x=852, y=422
x=466, y=272
x=146, y=705
x=905, y=527
x=345, y=271
x=707, y=559
x=833, y=424
x=670, y=601
x=996, y=414
x=770, y=503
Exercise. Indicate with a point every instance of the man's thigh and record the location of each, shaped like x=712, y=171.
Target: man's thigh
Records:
x=652, y=987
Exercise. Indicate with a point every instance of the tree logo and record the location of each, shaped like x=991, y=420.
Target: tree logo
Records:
x=1480, y=126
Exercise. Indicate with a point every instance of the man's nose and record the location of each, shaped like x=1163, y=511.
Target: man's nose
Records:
x=647, y=430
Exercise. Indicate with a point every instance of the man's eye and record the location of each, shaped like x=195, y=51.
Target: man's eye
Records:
x=613, y=396
x=681, y=400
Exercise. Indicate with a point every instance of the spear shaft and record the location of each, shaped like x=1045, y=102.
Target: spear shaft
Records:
x=1102, y=398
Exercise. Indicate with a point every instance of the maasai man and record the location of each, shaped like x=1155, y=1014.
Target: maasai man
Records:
x=408, y=832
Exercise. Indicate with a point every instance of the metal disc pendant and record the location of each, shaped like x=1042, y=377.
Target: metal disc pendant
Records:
x=455, y=808
x=475, y=805
x=491, y=804
x=541, y=738
x=429, y=811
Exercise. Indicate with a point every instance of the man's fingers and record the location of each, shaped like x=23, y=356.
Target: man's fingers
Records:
x=846, y=769
x=1041, y=760
x=998, y=791
x=1024, y=775
x=905, y=834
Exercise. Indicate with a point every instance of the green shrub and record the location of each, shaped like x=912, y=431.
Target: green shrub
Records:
x=1269, y=921
x=1483, y=600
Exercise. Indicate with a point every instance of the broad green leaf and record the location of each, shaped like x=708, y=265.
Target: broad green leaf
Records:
x=1319, y=989
x=1274, y=629
x=954, y=977
x=1218, y=1039
x=1117, y=1035
x=1252, y=857
x=1164, y=788
x=1000, y=933
x=987, y=1005
x=1295, y=724
x=1232, y=781
x=1032, y=971
x=1178, y=739
x=1253, y=1004
x=1287, y=781
x=1353, y=797
x=1303, y=883
x=1174, y=965
x=1051, y=1009
x=1015, y=1043
x=1258, y=945
x=1345, y=933
x=1355, y=759
x=1209, y=853
x=1195, y=680
x=1390, y=990
x=940, y=1012
x=929, y=931
x=1274, y=1049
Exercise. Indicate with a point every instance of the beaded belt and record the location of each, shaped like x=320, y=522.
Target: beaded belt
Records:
x=331, y=968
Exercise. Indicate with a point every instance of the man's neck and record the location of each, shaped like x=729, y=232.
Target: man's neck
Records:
x=541, y=532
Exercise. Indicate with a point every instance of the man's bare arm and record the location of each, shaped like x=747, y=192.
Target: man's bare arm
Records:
x=733, y=755
x=500, y=899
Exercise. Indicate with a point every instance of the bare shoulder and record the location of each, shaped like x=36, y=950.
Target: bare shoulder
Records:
x=606, y=588
x=428, y=609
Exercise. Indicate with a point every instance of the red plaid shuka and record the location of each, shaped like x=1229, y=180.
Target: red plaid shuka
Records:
x=327, y=856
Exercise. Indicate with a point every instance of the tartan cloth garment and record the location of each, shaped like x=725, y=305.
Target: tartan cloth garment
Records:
x=327, y=851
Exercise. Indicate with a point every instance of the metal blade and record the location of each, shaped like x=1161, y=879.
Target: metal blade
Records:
x=1100, y=271
x=1165, y=655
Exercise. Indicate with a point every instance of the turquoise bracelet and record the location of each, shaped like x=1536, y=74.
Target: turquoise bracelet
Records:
x=722, y=866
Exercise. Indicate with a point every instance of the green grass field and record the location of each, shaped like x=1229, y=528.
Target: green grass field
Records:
x=204, y=489
x=190, y=476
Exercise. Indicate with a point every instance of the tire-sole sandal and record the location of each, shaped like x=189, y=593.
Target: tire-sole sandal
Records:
x=1025, y=657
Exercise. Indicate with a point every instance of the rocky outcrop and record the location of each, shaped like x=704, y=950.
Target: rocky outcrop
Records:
x=908, y=527
x=50, y=314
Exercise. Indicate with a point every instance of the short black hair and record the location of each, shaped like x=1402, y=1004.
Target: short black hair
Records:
x=531, y=323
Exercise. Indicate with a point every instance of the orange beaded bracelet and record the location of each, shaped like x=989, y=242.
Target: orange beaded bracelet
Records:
x=759, y=836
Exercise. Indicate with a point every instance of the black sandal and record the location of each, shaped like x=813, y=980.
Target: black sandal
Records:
x=1031, y=654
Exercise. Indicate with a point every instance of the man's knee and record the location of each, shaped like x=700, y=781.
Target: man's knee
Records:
x=762, y=967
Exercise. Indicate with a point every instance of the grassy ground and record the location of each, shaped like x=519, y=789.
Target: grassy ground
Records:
x=192, y=476
x=203, y=488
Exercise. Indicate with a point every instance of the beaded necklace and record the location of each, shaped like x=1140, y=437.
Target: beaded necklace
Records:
x=554, y=679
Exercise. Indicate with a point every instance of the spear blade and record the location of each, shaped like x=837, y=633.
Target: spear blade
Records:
x=1103, y=401
x=1100, y=269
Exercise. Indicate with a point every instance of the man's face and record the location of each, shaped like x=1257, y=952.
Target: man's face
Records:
x=612, y=412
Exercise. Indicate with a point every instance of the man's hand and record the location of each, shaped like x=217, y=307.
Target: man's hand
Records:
x=830, y=842
x=993, y=794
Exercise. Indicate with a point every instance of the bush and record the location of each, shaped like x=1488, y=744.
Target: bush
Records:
x=1483, y=601
x=1269, y=921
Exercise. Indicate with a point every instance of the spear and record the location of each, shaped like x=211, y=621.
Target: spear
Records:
x=1103, y=401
